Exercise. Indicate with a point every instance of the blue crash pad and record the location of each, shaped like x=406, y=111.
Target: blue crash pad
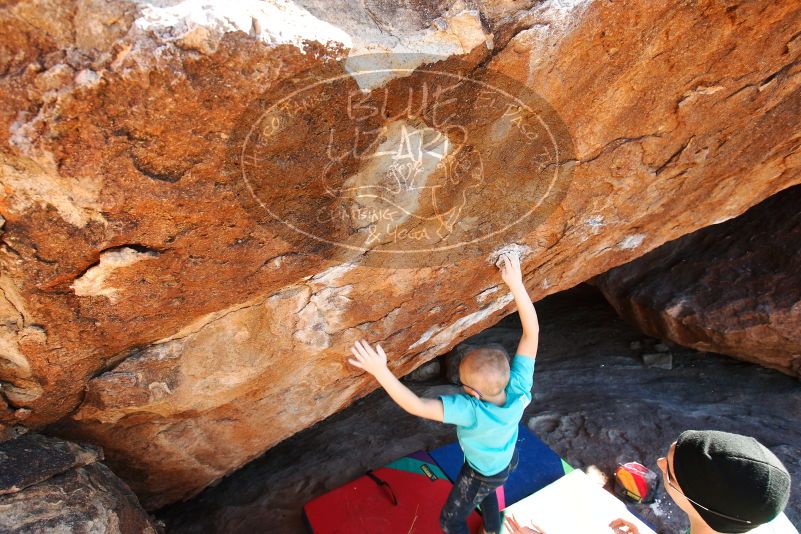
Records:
x=538, y=466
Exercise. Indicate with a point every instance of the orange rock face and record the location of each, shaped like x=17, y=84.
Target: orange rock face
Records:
x=732, y=288
x=186, y=319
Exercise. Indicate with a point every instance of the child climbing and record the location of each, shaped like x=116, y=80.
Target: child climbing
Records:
x=486, y=415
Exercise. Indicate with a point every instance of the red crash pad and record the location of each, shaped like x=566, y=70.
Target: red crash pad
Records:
x=405, y=496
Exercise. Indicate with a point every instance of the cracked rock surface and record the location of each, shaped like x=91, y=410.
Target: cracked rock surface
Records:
x=149, y=310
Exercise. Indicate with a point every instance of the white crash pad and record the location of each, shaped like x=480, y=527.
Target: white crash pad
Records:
x=574, y=503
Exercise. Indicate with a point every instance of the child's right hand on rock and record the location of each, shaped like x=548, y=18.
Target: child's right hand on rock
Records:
x=510, y=269
x=371, y=360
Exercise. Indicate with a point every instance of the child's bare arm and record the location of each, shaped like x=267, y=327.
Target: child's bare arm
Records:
x=374, y=361
x=513, y=276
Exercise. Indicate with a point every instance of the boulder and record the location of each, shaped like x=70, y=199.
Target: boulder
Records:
x=660, y=360
x=733, y=288
x=50, y=485
x=33, y=458
x=425, y=373
x=188, y=248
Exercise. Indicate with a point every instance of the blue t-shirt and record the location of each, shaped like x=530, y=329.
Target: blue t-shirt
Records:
x=487, y=433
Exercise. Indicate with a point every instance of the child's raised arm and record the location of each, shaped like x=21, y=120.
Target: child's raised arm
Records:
x=512, y=275
x=374, y=361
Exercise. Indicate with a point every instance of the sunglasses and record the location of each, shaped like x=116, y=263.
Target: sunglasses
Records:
x=477, y=392
x=672, y=485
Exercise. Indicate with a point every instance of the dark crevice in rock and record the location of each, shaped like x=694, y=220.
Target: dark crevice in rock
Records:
x=611, y=146
x=10, y=248
x=778, y=73
x=674, y=157
x=169, y=176
x=138, y=247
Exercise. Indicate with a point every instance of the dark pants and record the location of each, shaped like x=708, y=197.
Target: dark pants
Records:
x=471, y=489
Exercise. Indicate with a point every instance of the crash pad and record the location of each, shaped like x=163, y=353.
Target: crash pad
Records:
x=574, y=503
x=538, y=465
x=406, y=496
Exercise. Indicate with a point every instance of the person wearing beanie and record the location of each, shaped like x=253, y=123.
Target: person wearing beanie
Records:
x=725, y=483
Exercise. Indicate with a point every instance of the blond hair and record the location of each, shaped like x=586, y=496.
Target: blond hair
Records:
x=485, y=369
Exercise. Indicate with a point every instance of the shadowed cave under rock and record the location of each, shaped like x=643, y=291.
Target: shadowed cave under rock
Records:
x=595, y=403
